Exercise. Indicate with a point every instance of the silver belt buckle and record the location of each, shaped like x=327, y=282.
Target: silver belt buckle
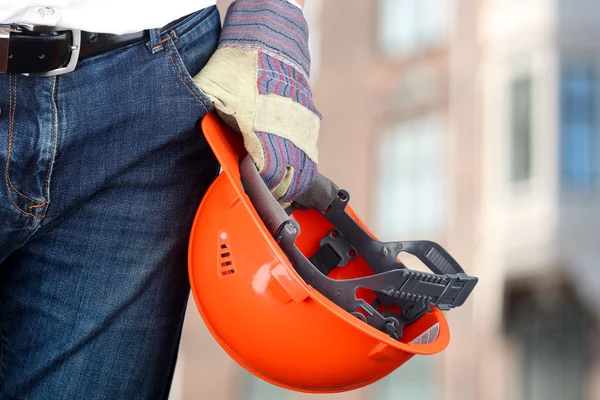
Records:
x=6, y=30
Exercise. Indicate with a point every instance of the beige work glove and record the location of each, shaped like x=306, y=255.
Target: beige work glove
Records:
x=258, y=82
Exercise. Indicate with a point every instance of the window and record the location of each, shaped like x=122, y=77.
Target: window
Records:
x=415, y=380
x=578, y=132
x=521, y=129
x=552, y=336
x=409, y=26
x=409, y=194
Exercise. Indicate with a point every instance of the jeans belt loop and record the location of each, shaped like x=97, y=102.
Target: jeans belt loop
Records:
x=155, y=41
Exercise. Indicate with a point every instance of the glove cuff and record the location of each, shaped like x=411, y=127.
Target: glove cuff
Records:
x=275, y=27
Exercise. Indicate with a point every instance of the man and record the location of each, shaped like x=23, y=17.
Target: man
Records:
x=104, y=167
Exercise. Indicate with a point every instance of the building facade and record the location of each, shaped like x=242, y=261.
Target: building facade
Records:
x=538, y=68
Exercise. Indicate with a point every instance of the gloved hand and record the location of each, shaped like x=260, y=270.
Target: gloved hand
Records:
x=258, y=82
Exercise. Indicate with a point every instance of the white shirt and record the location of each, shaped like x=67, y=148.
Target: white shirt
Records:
x=110, y=16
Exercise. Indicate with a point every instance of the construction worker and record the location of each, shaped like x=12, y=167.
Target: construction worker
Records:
x=105, y=166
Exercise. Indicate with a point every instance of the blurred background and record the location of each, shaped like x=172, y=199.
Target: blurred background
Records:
x=473, y=123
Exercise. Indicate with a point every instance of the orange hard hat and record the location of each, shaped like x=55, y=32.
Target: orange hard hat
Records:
x=307, y=298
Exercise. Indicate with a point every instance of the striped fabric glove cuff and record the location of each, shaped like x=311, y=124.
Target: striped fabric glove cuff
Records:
x=274, y=27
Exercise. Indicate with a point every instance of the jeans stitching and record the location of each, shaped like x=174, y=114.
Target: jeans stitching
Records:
x=11, y=121
x=195, y=21
x=171, y=52
x=54, y=141
x=11, y=126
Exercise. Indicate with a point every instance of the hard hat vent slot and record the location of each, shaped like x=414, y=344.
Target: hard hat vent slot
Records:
x=227, y=267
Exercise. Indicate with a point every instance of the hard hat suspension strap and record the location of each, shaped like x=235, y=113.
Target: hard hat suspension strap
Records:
x=413, y=292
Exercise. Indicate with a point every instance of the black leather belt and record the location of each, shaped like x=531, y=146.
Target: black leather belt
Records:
x=33, y=50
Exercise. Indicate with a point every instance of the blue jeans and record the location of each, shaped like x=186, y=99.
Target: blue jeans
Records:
x=103, y=170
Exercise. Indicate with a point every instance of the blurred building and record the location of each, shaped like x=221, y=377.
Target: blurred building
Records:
x=472, y=123
x=540, y=204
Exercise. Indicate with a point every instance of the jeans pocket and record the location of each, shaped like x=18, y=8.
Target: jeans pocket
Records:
x=184, y=75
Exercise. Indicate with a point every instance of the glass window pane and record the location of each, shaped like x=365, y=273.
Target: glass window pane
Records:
x=553, y=347
x=578, y=127
x=521, y=127
x=410, y=193
x=434, y=19
x=409, y=26
x=415, y=380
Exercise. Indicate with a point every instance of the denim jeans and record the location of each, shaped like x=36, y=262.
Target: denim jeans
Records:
x=103, y=170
